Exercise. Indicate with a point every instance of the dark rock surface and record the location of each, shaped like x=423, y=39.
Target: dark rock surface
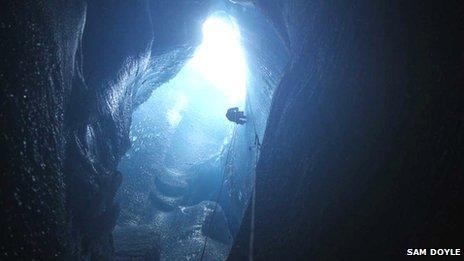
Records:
x=38, y=67
x=362, y=155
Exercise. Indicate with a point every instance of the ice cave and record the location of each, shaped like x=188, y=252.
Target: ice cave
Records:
x=116, y=145
x=189, y=170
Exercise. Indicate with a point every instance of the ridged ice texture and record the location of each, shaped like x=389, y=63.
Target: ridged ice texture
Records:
x=152, y=188
x=72, y=73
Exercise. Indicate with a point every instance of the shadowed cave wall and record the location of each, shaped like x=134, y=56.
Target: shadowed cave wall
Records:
x=362, y=155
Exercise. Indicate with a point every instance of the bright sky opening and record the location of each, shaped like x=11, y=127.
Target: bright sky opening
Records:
x=220, y=58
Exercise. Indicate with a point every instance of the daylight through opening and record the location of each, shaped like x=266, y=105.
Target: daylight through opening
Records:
x=176, y=166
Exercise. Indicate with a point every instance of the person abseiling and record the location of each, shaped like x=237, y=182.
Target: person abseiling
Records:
x=235, y=115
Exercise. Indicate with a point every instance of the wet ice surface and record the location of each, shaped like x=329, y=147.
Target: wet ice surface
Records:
x=170, y=197
x=98, y=124
x=177, y=137
x=166, y=239
x=188, y=174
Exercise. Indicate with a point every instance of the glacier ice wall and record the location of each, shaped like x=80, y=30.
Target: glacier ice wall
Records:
x=72, y=73
x=172, y=167
x=362, y=153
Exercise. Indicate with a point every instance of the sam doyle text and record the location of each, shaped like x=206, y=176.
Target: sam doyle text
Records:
x=434, y=252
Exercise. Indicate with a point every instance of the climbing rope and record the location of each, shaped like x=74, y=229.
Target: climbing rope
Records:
x=257, y=144
x=229, y=149
x=253, y=193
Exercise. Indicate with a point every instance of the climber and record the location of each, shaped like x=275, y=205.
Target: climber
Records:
x=235, y=115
